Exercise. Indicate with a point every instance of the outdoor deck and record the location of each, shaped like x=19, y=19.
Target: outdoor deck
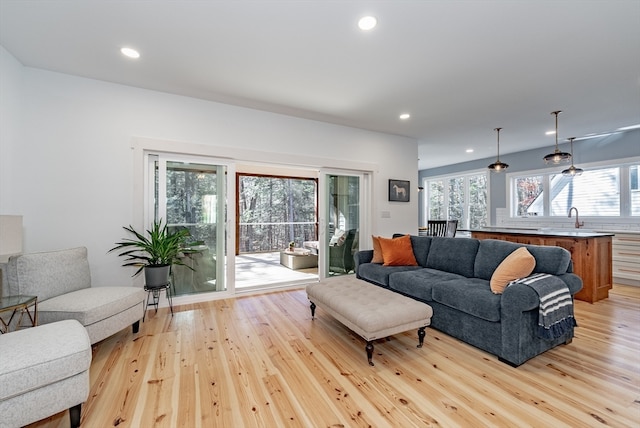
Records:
x=263, y=269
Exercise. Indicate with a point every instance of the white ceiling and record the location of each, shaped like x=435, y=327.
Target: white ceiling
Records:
x=460, y=68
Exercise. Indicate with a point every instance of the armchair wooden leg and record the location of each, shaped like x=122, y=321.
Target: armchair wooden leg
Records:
x=74, y=415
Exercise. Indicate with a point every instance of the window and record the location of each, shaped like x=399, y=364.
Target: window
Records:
x=461, y=197
x=604, y=191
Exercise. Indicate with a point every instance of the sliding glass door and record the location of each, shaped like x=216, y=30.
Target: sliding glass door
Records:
x=341, y=222
x=189, y=193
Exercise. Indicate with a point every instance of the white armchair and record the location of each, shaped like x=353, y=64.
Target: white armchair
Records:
x=62, y=282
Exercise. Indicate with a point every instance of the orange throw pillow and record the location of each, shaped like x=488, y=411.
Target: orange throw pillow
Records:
x=518, y=264
x=397, y=251
x=377, y=250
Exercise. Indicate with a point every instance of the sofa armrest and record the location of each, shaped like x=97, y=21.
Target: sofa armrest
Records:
x=521, y=297
x=573, y=281
x=518, y=298
x=361, y=257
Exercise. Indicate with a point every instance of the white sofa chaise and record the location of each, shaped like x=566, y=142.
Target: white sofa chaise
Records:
x=62, y=281
x=44, y=370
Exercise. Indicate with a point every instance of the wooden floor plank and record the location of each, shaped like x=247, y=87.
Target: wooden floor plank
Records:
x=261, y=361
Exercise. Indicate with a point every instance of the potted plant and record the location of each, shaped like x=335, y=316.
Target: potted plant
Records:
x=155, y=253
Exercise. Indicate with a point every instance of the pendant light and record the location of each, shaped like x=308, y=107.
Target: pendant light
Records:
x=557, y=156
x=498, y=166
x=572, y=171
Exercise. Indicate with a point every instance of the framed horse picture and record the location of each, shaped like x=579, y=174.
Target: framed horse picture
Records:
x=399, y=191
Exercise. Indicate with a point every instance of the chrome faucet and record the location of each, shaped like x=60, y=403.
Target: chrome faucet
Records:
x=578, y=223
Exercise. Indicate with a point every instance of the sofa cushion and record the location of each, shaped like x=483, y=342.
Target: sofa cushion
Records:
x=338, y=238
x=518, y=264
x=419, y=283
x=35, y=357
x=377, y=250
x=469, y=295
x=89, y=305
x=552, y=260
x=379, y=274
x=397, y=251
x=49, y=274
x=421, y=245
x=455, y=255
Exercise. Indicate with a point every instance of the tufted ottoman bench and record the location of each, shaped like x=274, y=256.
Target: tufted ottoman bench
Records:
x=369, y=310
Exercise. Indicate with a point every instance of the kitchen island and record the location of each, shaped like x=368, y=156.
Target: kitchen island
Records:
x=591, y=253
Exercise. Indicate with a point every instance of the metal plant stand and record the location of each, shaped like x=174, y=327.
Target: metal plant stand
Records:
x=153, y=294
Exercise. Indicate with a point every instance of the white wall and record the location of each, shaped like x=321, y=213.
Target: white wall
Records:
x=67, y=162
x=10, y=108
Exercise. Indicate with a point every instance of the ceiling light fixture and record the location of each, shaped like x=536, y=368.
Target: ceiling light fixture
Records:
x=572, y=171
x=405, y=116
x=129, y=52
x=498, y=166
x=367, y=23
x=557, y=156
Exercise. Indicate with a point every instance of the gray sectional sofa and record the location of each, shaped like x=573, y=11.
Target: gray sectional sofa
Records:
x=453, y=277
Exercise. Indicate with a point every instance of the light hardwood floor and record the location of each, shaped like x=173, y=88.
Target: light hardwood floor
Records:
x=260, y=361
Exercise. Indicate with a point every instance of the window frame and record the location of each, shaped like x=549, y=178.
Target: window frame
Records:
x=465, y=221
x=625, y=190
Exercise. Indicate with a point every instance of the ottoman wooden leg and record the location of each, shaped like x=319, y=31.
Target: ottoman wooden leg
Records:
x=369, y=349
x=421, y=334
x=313, y=310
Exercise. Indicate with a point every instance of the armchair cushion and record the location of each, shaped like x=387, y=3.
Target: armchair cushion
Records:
x=49, y=274
x=338, y=238
x=89, y=305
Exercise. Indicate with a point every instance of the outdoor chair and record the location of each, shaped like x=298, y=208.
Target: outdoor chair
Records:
x=341, y=256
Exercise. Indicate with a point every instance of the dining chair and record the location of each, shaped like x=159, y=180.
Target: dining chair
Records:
x=437, y=227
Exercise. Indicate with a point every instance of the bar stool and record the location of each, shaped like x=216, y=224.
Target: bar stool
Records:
x=154, y=293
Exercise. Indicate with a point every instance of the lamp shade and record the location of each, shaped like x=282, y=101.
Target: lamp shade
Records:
x=572, y=171
x=557, y=156
x=10, y=236
x=498, y=166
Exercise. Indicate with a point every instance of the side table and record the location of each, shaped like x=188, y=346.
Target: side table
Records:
x=295, y=260
x=18, y=305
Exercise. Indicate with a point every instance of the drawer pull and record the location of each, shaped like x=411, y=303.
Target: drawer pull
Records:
x=622, y=253
x=629, y=270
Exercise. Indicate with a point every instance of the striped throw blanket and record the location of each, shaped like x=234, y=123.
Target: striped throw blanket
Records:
x=556, y=305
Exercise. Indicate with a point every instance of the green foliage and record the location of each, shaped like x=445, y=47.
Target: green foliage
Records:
x=274, y=211
x=162, y=247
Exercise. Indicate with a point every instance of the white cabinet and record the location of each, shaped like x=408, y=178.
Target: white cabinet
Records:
x=626, y=258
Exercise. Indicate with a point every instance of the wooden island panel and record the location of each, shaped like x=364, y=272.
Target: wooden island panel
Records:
x=591, y=256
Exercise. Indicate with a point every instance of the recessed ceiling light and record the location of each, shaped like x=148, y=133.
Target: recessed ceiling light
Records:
x=550, y=133
x=366, y=23
x=129, y=52
x=405, y=116
x=469, y=150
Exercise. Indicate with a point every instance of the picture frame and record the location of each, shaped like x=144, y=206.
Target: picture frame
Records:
x=399, y=190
